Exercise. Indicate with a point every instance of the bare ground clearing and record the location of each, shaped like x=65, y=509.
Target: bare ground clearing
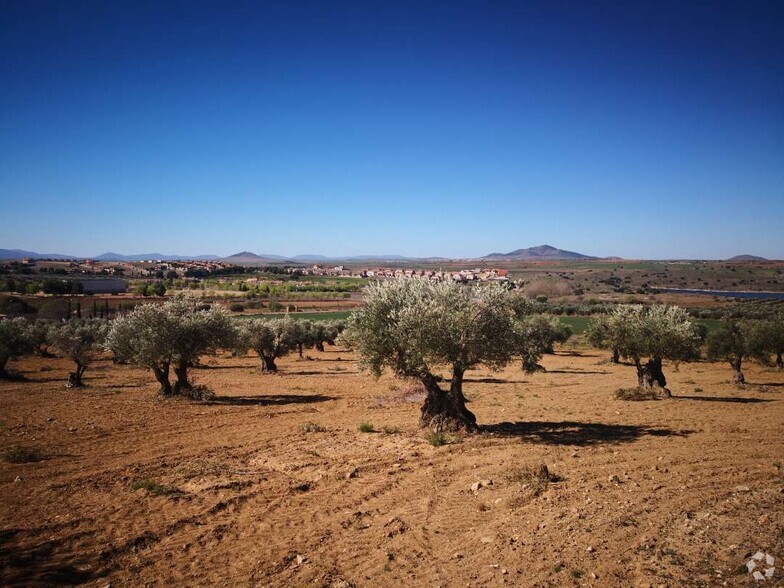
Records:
x=672, y=492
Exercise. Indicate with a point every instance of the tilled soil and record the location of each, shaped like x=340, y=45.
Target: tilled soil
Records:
x=273, y=483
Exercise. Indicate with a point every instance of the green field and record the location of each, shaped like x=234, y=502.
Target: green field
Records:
x=580, y=323
x=314, y=316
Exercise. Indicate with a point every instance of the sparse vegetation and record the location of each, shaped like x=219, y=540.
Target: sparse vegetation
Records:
x=366, y=427
x=154, y=488
x=312, y=428
x=536, y=478
x=636, y=394
x=437, y=438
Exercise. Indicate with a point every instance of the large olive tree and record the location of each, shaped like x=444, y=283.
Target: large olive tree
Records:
x=171, y=335
x=79, y=340
x=415, y=326
x=647, y=335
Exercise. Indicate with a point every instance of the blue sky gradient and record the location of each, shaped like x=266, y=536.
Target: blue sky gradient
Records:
x=637, y=129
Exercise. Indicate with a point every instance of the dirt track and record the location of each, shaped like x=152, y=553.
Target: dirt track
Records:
x=674, y=493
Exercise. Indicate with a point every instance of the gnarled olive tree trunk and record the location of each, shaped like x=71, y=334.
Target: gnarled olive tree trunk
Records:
x=737, y=372
x=162, y=376
x=75, y=378
x=445, y=410
x=268, y=364
x=650, y=375
x=182, y=385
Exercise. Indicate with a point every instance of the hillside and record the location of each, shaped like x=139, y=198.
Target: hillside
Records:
x=543, y=252
x=747, y=257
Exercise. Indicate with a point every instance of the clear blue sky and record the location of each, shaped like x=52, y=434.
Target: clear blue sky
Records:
x=639, y=129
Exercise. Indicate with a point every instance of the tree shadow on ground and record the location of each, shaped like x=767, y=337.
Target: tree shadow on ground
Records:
x=767, y=384
x=576, y=433
x=39, y=565
x=226, y=367
x=268, y=399
x=578, y=372
x=492, y=381
x=320, y=373
x=738, y=399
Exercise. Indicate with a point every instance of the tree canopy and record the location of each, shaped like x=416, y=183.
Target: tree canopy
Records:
x=646, y=335
x=413, y=327
x=79, y=340
x=173, y=334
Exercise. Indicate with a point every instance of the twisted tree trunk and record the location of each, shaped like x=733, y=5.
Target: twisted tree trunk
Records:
x=446, y=410
x=162, y=376
x=75, y=378
x=182, y=385
x=650, y=375
x=268, y=364
x=737, y=372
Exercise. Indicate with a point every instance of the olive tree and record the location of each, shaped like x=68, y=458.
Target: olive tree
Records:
x=648, y=335
x=39, y=334
x=736, y=341
x=79, y=340
x=769, y=338
x=414, y=326
x=14, y=342
x=537, y=335
x=326, y=332
x=269, y=338
x=171, y=335
x=598, y=333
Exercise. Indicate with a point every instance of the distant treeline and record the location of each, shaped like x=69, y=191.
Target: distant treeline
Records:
x=47, y=286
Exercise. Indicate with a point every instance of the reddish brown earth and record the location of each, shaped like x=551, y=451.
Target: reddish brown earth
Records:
x=664, y=493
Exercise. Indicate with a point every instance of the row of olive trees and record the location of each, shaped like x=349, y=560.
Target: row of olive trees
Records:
x=647, y=335
x=172, y=337
x=163, y=338
x=273, y=338
x=737, y=341
x=78, y=339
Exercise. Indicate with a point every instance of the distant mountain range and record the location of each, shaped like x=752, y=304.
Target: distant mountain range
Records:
x=109, y=256
x=540, y=253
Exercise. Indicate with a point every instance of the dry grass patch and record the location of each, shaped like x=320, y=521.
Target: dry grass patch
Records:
x=636, y=394
x=536, y=478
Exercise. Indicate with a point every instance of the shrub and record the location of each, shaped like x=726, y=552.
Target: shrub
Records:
x=312, y=428
x=154, y=487
x=365, y=427
x=636, y=394
x=537, y=478
x=437, y=438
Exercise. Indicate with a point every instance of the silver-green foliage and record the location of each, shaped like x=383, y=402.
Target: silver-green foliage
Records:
x=14, y=341
x=414, y=327
x=174, y=334
x=79, y=340
x=646, y=335
x=270, y=339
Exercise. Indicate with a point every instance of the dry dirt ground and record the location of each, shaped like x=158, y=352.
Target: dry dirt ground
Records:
x=673, y=492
